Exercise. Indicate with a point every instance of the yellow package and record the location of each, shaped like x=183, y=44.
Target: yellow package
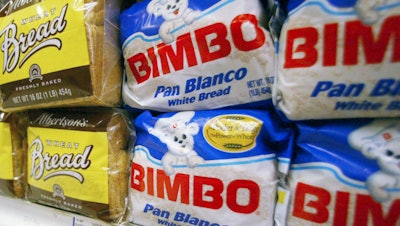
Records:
x=59, y=53
x=78, y=161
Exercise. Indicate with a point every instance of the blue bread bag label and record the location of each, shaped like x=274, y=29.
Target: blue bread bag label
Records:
x=345, y=172
x=216, y=167
x=196, y=55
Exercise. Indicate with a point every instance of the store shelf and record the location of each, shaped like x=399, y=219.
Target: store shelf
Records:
x=14, y=212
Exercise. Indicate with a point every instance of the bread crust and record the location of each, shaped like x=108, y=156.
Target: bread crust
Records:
x=19, y=148
x=17, y=123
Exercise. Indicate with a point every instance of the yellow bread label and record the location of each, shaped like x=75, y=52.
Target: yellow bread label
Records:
x=42, y=38
x=6, y=166
x=281, y=197
x=232, y=133
x=69, y=163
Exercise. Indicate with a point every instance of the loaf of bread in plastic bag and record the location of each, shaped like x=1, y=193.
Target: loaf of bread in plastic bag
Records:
x=68, y=54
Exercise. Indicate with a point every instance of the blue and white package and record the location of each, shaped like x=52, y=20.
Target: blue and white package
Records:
x=196, y=55
x=216, y=167
x=339, y=59
x=345, y=172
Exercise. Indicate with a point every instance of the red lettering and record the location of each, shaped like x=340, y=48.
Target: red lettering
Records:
x=139, y=67
x=184, y=47
x=330, y=44
x=366, y=206
x=208, y=192
x=153, y=60
x=215, y=186
x=240, y=37
x=357, y=33
x=358, y=40
x=217, y=34
x=307, y=51
x=341, y=208
x=311, y=202
x=212, y=44
x=181, y=183
x=150, y=181
x=253, y=199
x=137, y=177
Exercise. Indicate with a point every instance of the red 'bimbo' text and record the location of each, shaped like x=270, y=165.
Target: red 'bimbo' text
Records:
x=324, y=205
x=209, y=43
x=208, y=192
x=357, y=38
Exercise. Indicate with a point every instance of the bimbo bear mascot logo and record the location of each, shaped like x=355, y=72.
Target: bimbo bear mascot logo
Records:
x=174, y=13
x=367, y=10
x=177, y=133
x=380, y=140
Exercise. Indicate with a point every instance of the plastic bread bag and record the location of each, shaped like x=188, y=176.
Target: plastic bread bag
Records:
x=339, y=59
x=13, y=147
x=60, y=53
x=79, y=159
x=215, y=167
x=196, y=55
x=345, y=172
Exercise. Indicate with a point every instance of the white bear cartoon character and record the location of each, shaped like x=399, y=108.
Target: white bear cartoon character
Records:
x=367, y=10
x=174, y=12
x=177, y=133
x=380, y=140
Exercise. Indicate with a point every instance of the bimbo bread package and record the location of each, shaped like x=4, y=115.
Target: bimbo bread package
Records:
x=216, y=167
x=196, y=55
x=344, y=172
x=339, y=59
x=60, y=53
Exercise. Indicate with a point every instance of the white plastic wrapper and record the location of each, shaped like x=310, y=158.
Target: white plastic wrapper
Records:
x=216, y=167
x=195, y=55
x=339, y=59
x=345, y=172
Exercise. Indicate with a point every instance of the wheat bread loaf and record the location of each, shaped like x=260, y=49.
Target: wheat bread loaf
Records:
x=72, y=56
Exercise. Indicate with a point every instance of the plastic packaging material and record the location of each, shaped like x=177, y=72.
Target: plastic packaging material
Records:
x=345, y=172
x=339, y=59
x=79, y=159
x=216, y=167
x=60, y=53
x=277, y=15
x=196, y=55
x=13, y=147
